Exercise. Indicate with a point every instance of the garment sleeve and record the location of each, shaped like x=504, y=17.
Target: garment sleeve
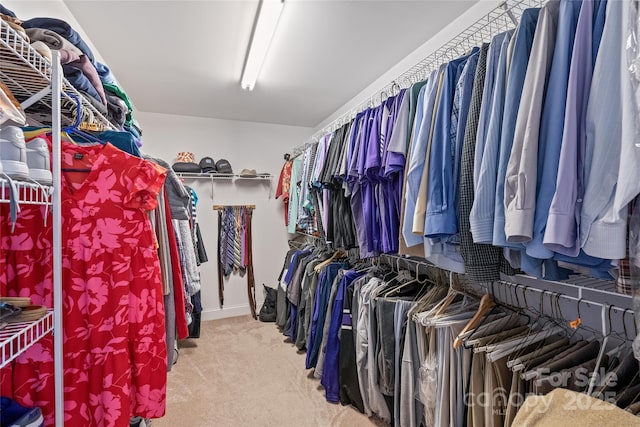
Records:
x=280, y=188
x=602, y=226
x=521, y=177
x=561, y=234
x=147, y=181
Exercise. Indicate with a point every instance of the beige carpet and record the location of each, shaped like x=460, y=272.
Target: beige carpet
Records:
x=240, y=372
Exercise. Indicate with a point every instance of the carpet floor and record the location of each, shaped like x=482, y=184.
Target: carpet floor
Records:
x=240, y=372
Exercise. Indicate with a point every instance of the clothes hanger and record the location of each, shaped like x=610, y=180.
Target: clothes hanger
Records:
x=323, y=264
x=486, y=305
x=616, y=350
x=74, y=128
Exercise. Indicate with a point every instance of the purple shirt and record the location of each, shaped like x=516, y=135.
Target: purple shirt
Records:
x=561, y=234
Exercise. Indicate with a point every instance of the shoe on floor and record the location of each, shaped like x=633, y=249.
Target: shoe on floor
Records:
x=13, y=414
x=13, y=153
x=38, y=161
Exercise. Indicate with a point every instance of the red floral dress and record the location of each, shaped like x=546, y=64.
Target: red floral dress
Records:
x=115, y=361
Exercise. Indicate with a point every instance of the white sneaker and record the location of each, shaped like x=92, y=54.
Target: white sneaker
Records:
x=13, y=153
x=38, y=161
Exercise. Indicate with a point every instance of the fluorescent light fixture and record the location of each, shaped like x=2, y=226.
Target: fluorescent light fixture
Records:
x=263, y=30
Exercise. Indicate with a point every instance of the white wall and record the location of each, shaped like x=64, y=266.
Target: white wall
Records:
x=475, y=12
x=245, y=145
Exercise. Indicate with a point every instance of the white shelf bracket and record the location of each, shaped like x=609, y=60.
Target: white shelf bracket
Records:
x=36, y=97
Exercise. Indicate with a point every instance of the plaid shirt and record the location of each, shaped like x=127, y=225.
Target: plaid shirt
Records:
x=482, y=262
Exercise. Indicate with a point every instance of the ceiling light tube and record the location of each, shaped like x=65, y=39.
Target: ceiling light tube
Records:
x=263, y=31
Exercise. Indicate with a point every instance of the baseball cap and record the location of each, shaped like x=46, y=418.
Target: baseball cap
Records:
x=223, y=166
x=207, y=165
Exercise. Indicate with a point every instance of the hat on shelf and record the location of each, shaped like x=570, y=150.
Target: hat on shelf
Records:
x=208, y=165
x=223, y=166
x=16, y=301
x=248, y=173
x=16, y=25
x=186, y=162
x=42, y=49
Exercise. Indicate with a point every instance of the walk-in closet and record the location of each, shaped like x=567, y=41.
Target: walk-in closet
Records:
x=319, y=213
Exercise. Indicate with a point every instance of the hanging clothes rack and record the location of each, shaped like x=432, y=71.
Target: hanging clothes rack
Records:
x=599, y=307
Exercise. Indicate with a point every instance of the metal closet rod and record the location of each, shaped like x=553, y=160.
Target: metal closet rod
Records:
x=503, y=17
x=223, y=207
x=605, y=311
x=471, y=289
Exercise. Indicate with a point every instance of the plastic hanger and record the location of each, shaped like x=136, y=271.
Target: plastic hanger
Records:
x=74, y=128
x=323, y=264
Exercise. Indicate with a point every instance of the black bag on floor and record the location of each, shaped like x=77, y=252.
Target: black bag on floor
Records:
x=268, y=310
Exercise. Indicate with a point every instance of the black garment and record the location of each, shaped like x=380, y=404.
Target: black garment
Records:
x=386, y=308
x=350, y=393
x=282, y=304
x=482, y=262
x=200, y=249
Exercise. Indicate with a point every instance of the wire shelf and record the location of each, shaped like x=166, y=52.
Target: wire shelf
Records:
x=222, y=177
x=29, y=193
x=28, y=75
x=15, y=338
x=502, y=18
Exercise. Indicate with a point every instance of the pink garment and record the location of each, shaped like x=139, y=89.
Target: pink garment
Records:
x=89, y=70
x=115, y=356
x=67, y=56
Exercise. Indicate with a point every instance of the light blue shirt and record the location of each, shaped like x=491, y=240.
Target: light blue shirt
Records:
x=424, y=110
x=552, y=125
x=441, y=210
x=482, y=212
x=522, y=43
x=493, y=56
x=602, y=227
x=561, y=234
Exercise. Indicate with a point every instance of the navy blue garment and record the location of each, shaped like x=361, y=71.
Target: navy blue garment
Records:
x=5, y=11
x=294, y=264
x=331, y=368
x=78, y=80
x=65, y=30
x=323, y=293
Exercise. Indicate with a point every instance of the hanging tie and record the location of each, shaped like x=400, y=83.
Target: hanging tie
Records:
x=236, y=241
x=243, y=239
x=229, y=219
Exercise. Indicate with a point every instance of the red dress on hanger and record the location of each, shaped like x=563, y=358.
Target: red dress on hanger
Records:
x=115, y=362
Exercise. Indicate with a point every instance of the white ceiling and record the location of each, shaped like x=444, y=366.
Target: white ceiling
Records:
x=186, y=57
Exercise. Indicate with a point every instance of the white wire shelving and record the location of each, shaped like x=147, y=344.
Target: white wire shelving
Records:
x=15, y=338
x=223, y=177
x=28, y=193
x=28, y=76
x=229, y=177
x=48, y=98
